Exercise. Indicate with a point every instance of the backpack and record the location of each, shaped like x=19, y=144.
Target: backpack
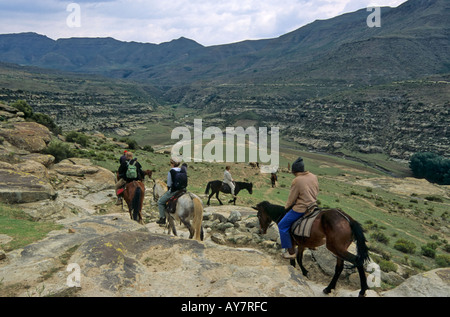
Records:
x=179, y=180
x=131, y=171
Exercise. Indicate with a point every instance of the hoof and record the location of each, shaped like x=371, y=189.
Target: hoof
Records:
x=327, y=291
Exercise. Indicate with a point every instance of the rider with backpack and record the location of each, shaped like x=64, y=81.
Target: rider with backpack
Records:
x=130, y=170
x=176, y=181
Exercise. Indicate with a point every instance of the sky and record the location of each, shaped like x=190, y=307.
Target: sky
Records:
x=208, y=22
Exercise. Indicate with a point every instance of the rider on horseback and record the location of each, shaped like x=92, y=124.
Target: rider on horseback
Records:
x=228, y=179
x=303, y=194
x=172, y=189
x=129, y=170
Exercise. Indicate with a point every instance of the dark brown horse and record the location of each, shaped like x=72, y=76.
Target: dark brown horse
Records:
x=273, y=179
x=333, y=227
x=134, y=196
x=218, y=186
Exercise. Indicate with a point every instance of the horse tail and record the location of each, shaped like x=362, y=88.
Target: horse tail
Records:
x=361, y=247
x=207, y=188
x=136, y=203
x=198, y=218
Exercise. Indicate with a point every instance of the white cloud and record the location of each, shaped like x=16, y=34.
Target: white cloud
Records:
x=208, y=22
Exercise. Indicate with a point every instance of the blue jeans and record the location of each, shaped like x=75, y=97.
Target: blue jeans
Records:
x=284, y=226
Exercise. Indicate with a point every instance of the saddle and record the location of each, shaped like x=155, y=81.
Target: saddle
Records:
x=302, y=227
x=226, y=188
x=171, y=205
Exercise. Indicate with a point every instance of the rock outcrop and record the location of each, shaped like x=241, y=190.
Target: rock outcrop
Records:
x=119, y=257
x=434, y=283
x=28, y=136
x=18, y=187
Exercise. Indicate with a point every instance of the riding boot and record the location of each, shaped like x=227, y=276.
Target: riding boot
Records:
x=161, y=221
x=290, y=253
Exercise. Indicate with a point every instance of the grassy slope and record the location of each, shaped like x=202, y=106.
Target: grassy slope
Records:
x=382, y=212
x=385, y=213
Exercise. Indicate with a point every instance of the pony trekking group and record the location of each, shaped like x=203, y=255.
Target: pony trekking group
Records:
x=332, y=227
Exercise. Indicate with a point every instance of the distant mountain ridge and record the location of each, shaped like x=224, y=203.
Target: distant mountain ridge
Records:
x=412, y=42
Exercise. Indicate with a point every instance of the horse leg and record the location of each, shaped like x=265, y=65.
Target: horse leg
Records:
x=337, y=273
x=363, y=281
x=209, y=198
x=217, y=196
x=300, y=261
x=170, y=224
x=187, y=223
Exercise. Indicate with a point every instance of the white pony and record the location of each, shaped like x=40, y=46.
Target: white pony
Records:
x=189, y=207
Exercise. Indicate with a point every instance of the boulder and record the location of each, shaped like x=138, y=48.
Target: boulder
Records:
x=434, y=283
x=327, y=260
x=70, y=169
x=29, y=136
x=143, y=264
x=45, y=159
x=33, y=168
x=19, y=187
x=119, y=257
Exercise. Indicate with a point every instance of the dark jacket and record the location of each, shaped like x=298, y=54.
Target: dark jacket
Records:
x=124, y=167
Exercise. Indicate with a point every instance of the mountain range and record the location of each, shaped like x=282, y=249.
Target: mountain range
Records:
x=412, y=42
x=334, y=85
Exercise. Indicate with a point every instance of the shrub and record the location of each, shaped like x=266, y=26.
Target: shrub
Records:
x=428, y=252
x=132, y=144
x=40, y=118
x=47, y=121
x=387, y=266
x=443, y=260
x=148, y=148
x=76, y=137
x=380, y=237
x=59, y=150
x=432, y=167
x=23, y=106
x=434, y=198
x=405, y=246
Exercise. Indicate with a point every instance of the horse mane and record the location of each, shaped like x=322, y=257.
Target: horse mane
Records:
x=161, y=183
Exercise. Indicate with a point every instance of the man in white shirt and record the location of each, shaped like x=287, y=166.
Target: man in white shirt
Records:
x=227, y=179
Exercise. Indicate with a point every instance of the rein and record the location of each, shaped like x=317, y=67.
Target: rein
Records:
x=342, y=214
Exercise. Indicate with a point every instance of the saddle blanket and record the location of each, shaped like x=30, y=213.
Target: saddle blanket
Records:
x=171, y=205
x=302, y=227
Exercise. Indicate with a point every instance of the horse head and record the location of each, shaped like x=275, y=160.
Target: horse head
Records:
x=159, y=189
x=263, y=217
x=148, y=173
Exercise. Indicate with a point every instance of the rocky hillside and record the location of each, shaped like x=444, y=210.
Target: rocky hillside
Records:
x=119, y=257
x=331, y=85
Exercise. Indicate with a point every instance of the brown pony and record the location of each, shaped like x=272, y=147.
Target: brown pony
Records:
x=333, y=227
x=134, y=196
